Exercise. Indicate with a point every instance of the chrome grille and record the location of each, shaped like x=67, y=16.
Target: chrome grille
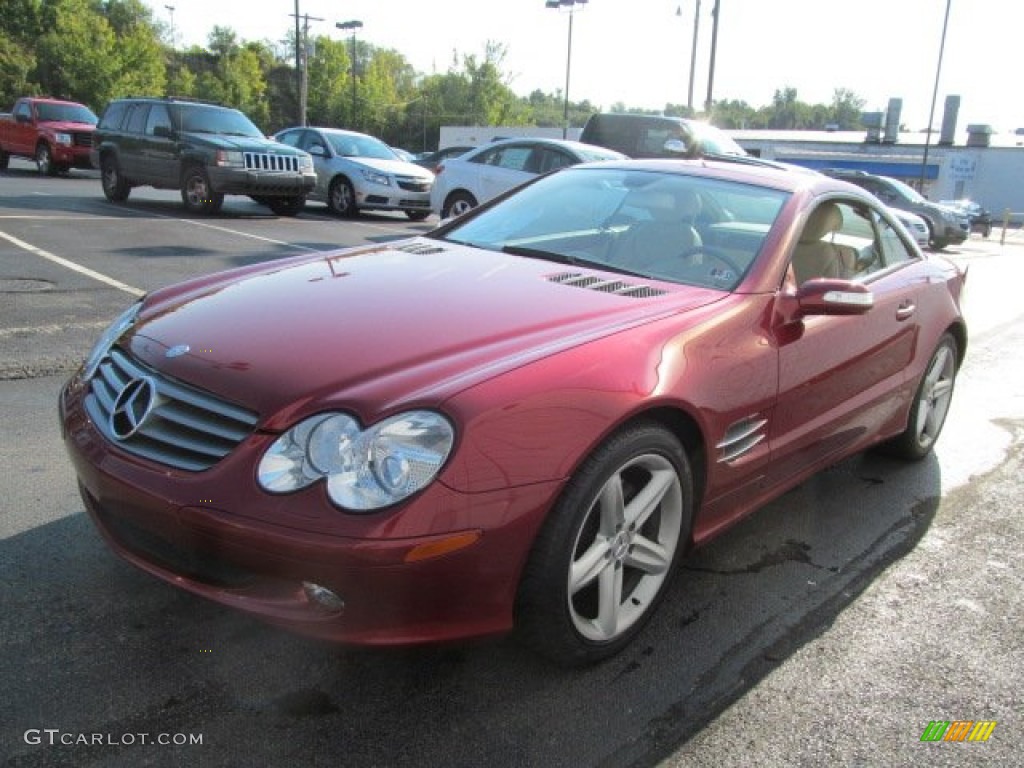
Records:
x=260, y=161
x=82, y=139
x=186, y=428
x=619, y=288
x=411, y=184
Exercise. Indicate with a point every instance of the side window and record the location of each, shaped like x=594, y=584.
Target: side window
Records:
x=23, y=110
x=137, y=118
x=513, y=158
x=894, y=250
x=546, y=159
x=837, y=241
x=158, y=117
x=114, y=116
x=311, y=139
x=486, y=158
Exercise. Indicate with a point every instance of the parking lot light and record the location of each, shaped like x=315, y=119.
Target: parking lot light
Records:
x=571, y=5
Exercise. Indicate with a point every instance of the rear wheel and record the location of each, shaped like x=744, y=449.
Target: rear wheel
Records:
x=931, y=404
x=286, y=206
x=457, y=204
x=341, y=198
x=197, y=193
x=44, y=159
x=5, y=158
x=115, y=188
x=606, y=553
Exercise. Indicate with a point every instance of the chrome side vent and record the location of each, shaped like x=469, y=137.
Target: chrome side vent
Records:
x=617, y=287
x=420, y=248
x=741, y=438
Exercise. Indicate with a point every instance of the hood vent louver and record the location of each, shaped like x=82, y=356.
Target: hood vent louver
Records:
x=617, y=287
x=420, y=248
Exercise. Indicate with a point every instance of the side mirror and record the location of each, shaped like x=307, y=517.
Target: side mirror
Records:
x=676, y=147
x=823, y=296
x=317, y=151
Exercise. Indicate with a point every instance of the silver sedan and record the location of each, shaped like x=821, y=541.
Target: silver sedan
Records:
x=356, y=172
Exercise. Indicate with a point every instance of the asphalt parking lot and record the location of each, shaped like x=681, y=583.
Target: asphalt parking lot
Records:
x=829, y=628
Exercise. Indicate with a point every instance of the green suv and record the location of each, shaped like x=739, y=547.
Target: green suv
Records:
x=205, y=150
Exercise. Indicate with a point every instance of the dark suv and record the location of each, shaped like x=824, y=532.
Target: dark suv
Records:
x=945, y=225
x=203, y=149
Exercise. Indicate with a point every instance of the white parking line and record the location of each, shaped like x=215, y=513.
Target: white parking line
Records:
x=72, y=265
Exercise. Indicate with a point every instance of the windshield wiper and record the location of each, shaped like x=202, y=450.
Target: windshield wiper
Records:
x=563, y=258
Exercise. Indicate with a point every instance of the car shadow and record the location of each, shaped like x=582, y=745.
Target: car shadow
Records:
x=90, y=645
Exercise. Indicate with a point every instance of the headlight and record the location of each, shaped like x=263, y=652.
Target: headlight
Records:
x=306, y=163
x=63, y=138
x=230, y=158
x=375, y=177
x=365, y=469
x=124, y=321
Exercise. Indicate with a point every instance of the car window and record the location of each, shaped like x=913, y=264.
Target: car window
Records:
x=894, y=249
x=546, y=159
x=311, y=139
x=514, y=158
x=114, y=116
x=23, y=110
x=291, y=138
x=357, y=145
x=202, y=118
x=68, y=113
x=137, y=118
x=159, y=116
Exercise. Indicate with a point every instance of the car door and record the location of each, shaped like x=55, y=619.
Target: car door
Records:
x=317, y=145
x=132, y=145
x=844, y=377
x=22, y=130
x=157, y=148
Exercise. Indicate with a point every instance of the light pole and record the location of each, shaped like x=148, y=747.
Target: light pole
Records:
x=714, y=46
x=935, y=93
x=693, y=53
x=352, y=25
x=571, y=5
x=170, y=10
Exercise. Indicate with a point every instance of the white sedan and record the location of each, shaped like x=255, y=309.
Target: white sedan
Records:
x=475, y=177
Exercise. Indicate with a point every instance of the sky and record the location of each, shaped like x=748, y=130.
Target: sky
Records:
x=638, y=51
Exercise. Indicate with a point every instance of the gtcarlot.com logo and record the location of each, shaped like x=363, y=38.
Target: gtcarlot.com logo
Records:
x=54, y=737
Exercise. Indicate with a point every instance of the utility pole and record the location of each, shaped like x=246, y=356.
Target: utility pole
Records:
x=302, y=59
x=714, y=46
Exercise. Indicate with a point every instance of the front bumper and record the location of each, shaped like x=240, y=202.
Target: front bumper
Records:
x=215, y=534
x=391, y=198
x=244, y=181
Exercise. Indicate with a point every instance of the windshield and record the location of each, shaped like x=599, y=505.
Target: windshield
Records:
x=65, y=113
x=714, y=140
x=655, y=224
x=355, y=145
x=200, y=118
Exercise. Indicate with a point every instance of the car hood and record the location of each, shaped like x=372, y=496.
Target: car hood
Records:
x=373, y=329
x=65, y=125
x=241, y=143
x=393, y=167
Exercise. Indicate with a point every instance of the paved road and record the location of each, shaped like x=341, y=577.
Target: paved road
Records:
x=830, y=627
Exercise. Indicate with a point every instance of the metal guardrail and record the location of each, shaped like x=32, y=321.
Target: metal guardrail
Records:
x=1017, y=232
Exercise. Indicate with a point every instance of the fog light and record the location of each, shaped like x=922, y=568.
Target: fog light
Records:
x=323, y=596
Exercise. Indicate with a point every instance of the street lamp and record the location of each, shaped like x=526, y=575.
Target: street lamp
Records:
x=352, y=25
x=715, y=12
x=571, y=5
x=935, y=93
x=170, y=10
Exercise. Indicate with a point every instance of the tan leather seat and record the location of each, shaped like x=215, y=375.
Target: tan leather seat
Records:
x=668, y=234
x=816, y=255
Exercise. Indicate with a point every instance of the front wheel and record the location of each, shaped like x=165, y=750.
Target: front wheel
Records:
x=931, y=404
x=197, y=193
x=287, y=206
x=341, y=198
x=115, y=188
x=606, y=553
x=5, y=158
x=44, y=160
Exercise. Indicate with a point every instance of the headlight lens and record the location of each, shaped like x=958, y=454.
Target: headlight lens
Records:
x=365, y=469
x=230, y=158
x=306, y=163
x=123, y=322
x=63, y=139
x=375, y=177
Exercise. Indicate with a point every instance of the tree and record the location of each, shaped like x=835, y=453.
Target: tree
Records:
x=16, y=64
x=846, y=109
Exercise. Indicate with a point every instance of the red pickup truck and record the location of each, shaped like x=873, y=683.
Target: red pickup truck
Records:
x=56, y=134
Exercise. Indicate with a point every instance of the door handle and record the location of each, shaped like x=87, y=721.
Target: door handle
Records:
x=905, y=310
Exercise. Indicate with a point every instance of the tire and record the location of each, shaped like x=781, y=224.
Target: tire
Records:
x=341, y=198
x=930, y=406
x=608, y=549
x=457, y=204
x=417, y=215
x=196, y=192
x=986, y=230
x=115, y=188
x=44, y=160
x=5, y=158
x=286, y=206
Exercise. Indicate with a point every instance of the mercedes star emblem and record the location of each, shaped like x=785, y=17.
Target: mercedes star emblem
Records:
x=131, y=407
